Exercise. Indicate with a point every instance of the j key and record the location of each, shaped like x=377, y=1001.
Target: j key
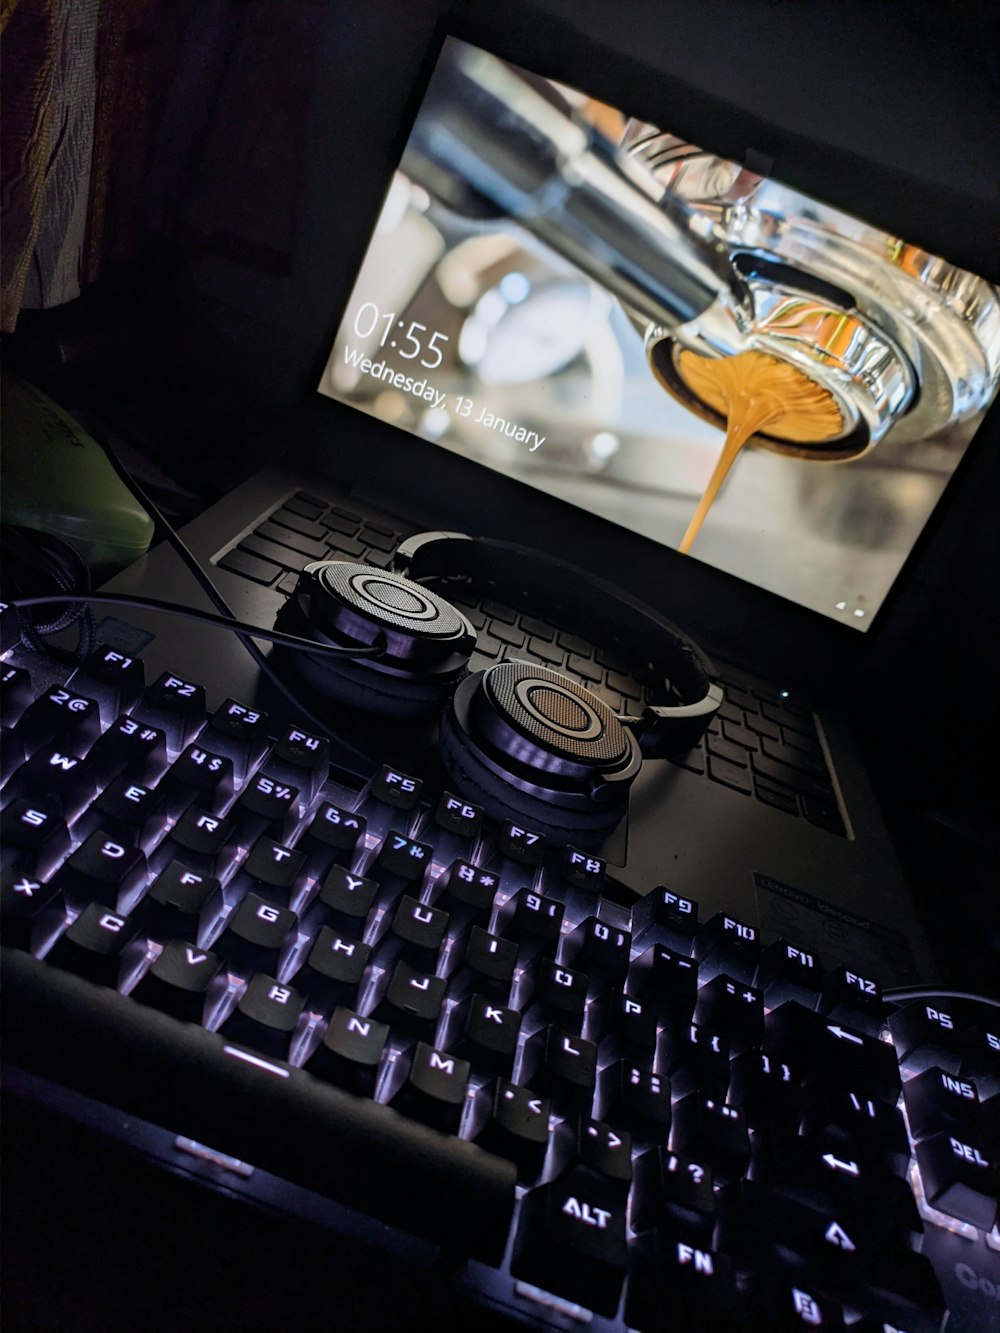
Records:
x=767, y=1089
x=850, y=1123
x=456, y=815
x=668, y=917
x=29, y=908
x=266, y=805
x=114, y=679
x=356, y=1151
x=731, y=1008
x=557, y=994
x=560, y=1065
x=598, y=948
x=130, y=748
x=673, y=1192
x=533, y=921
x=726, y=944
x=62, y=717
x=178, y=980
x=484, y=963
x=516, y=1126
x=15, y=693
x=35, y=836
x=174, y=705
x=256, y=937
x=571, y=1240
x=265, y=1017
x=667, y=981
x=485, y=1034
x=848, y=997
x=65, y=778
x=410, y=1001
x=582, y=870
x=788, y=972
x=331, y=837
x=180, y=904
x=925, y=1034
x=696, y=1059
x=274, y=869
x=126, y=810
x=677, y=1274
x=628, y=1028
x=937, y=1102
x=334, y=971
x=238, y=732
x=466, y=892
x=95, y=946
x=829, y=1052
x=349, y=899
x=713, y=1132
x=521, y=844
x=302, y=760
x=961, y=1176
x=634, y=1097
x=350, y=1053
x=396, y=789
x=402, y=857
x=433, y=1087
x=415, y=933
x=102, y=871
x=199, y=839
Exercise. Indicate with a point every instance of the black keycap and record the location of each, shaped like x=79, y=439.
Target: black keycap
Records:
x=102, y=871
x=673, y=1192
x=632, y=1096
x=713, y=1132
x=198, y=775
x=602, y=1149
x=961, y=1176
x=270, y=553
x=582, y=869
x=240, y=732
x=334, y=971
x=403, y=857
x=410, y=1001
x=597, y=948
x=981, y=1056
x=180, y=904
x=902, y=1291
x=16, y=693
x=767, y=1089
x=332, y=836
x=256, y=937
x=571, y=1240
x=466, y=892
x=939, y=1102
x=178, y=980
x=127, y=811
x=726, y=944
x=295, y=541
x=288, y=518
x=265, y=1017
x=348, y=899
x=415, y=933
x=131, y=748
x=456, y=815
x=562, y=1066
x=484, y=963
x=851, y=998
x=65, y=779
x=858, y=1126
x=350, y=1053
x=515, y=1126
x=395, y=788
x=61, y=717
x=532, y=920
x=35, y=832
x=361, y=1154
x=250, y=566
x=95, y=946
x=300, y=759
x=433, y=1087
x=485, y=1034
x=667, y=981
x=199, y=839
x=267, y=806
x=523, y=845
x=822, y=811
x=731, y=1008
x=666, y=916
x=696, y=1059
x=115, y=679
x=176, y=706
x=339, y=520
x=627, y=1028
x=274, y=868
x=831, y=1053
x=29, y=908
x=927, y=1033
x=789, y=972
x=779, y=797
x=691, y=1281
x=551, y=993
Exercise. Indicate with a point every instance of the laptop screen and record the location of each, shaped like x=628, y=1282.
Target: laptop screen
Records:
x=541, y=296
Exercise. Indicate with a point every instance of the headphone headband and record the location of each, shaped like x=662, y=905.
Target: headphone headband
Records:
x=595, y=608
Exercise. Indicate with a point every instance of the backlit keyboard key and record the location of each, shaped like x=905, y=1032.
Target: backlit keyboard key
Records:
x=177, y=982
x=265, y=1017
x=95, y=946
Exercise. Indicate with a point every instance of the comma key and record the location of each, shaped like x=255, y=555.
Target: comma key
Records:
x=515, y=1126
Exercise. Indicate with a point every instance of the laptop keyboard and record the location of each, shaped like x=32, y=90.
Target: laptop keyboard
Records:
x=761, y=744
x=601, y=1108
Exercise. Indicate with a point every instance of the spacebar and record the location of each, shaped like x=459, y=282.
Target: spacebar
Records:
x=269, y=1115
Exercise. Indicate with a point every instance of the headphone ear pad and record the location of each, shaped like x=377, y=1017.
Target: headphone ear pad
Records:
x=501, y=798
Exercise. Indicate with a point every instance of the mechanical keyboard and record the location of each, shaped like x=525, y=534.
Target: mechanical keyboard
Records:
x=603, y=1110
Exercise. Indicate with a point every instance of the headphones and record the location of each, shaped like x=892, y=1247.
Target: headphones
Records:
x=517, y=738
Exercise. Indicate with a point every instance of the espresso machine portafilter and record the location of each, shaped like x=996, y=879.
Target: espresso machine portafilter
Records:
x=708, y=257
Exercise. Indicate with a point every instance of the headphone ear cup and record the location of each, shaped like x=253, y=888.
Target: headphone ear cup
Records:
x=426, y=641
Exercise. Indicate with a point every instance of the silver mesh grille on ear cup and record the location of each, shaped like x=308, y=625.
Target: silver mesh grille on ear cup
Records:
x=391, y=599
x=557, y=713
